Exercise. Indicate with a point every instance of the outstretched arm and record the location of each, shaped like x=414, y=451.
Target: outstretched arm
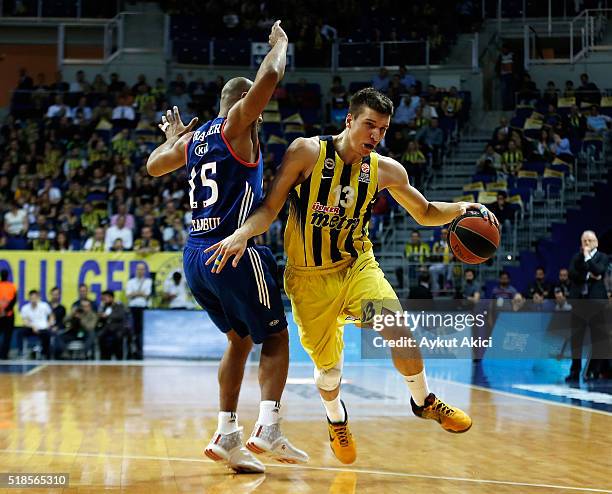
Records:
x=270, y=72
x=300, y=154
x=393, y=176
x=170, y=155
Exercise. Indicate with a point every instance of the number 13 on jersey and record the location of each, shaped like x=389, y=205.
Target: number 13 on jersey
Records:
x=206, y=182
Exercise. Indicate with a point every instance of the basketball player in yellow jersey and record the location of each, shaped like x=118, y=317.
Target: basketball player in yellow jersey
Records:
x=331, y=182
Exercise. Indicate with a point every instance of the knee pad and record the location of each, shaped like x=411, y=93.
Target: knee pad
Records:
x=329, y=379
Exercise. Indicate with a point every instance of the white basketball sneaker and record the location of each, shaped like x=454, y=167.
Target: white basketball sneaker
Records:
x=228, y=448
x=269, y=441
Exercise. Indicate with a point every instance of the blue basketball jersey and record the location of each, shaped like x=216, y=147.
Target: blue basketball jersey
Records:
x=223, y=189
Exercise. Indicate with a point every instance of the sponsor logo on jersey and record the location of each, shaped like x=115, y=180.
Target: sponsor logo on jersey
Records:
x=201, y=149
x=317, y=206
x=365, y=168
x=273, y=323
x=329, y=163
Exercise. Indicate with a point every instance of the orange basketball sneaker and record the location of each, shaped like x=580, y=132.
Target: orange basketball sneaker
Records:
x=450, y=418
x=341, y=440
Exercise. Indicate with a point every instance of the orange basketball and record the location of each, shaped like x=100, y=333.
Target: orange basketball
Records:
x=472, y=238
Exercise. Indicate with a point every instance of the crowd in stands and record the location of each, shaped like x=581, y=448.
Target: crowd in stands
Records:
x=313, y=27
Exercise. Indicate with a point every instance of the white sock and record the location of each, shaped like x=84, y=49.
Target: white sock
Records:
x=269, y=412
x=418, y=387
x=334, y=410
x=227, y=422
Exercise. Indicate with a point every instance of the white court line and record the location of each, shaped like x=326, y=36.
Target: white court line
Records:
x=36, y=369
x=303, y=467
x=528, y=398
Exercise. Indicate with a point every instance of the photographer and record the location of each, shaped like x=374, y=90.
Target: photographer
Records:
x=113, y=323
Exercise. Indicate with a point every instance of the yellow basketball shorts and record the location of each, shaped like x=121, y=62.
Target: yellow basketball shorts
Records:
x=323, y=300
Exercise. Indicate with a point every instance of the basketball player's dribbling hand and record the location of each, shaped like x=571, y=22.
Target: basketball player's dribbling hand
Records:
x=484, y=211
x=173, y=126
x=234, y=245
x=276, y=34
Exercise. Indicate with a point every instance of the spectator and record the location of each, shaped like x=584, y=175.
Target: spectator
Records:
x=102, y=112
x=415, y=163
x=504, y=290
x=440, y=270
x=119, y=231
x=404, y=112
x=123, y=114
x=452, y=103
x=8, y=298
x=539, y=284
x=563, y=283
x=528, y=92
x=596, y=122
x=38, y=320
x=175, y=292
x=504, y=127
x=541, y=151
x=561, y=148
x=587, y=92
x=96, y=243
x=80, y=85
x=575, y=123
x=113, y=321
x=396, y=89
x=500, y=142
x=146, y=244
x=82, y=111
x=421, y=291
x=561, y=303
x=139, y=290
x=116, y=85
x=122, y=210
x=471, y=291
x=570, y=91
x=493, y=157
x=416, y=250
x=406, y=79
x=59, y=85
x=15, y=222
x=84, y=296
x=58, y=109
x=59, y=315
x=381, y=81
x=432, y=136
x=512, y=159
x=98, y=85
x=180, y=98
x=174, y=235
x=81, y=326
x=503, y=212
x=550, y=96
x=587, y=270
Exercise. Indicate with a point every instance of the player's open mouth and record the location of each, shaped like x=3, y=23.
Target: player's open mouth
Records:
x=369, y=147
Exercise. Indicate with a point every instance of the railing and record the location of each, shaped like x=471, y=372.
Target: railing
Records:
x=338, y=56
x=566, y=42
x=70, y=8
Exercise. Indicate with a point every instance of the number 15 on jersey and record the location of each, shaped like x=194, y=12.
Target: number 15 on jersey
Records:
x=206, y=183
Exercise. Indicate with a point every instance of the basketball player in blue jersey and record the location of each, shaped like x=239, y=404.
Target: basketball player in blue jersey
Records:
x=225, y=174
x=331, y=274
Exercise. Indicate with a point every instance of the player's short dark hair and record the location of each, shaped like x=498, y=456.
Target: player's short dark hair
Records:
x=371, y=98
x=110, y=293
x=32, y=292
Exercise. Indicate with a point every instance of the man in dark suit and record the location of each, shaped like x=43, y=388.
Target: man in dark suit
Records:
x=587, y=270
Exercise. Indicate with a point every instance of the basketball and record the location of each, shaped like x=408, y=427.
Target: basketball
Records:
x=472, y=239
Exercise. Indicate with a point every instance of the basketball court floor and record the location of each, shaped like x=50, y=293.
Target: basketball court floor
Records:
x=141, y=428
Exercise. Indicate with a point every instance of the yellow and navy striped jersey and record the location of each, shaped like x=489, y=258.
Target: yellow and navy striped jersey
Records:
x=330, y=210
